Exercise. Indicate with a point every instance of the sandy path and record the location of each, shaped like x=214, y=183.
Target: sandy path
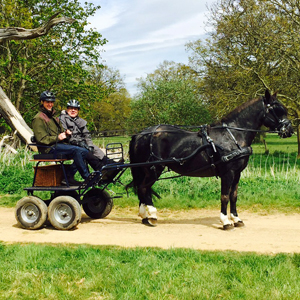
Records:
x=196, y=229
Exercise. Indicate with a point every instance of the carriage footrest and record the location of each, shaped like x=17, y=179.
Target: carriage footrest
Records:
x=90, y=181
x=237, y=154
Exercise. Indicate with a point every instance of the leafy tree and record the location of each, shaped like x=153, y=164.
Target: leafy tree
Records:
x=112, y=112
x=168, y=96
x=105, y=101
x=57, y=61
x=254, y=46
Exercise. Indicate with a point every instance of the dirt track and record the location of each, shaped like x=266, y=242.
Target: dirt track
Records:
x=197, y=229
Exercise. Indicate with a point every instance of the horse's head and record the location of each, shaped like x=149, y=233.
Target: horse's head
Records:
x=276, y=116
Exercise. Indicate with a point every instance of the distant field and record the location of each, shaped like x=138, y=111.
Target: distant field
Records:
x=277, y=144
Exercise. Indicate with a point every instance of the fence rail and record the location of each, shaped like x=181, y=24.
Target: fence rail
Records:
x=108, y=133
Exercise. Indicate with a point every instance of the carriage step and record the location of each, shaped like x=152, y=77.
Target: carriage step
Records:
x=90, y=181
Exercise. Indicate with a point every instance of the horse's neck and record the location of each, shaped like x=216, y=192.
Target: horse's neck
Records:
x=249, y=118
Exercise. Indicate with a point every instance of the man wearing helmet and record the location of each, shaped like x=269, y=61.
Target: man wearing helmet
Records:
x=80, y=134
x=48, y=131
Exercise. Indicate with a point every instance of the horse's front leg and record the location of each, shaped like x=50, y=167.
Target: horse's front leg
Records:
x=226, y=183
x=233, y=199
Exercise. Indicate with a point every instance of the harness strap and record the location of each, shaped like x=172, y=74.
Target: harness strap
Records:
x=208, y=141
x=232, y=136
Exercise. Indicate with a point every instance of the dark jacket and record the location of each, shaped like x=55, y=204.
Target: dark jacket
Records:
x=80, y=133
x=46, y=128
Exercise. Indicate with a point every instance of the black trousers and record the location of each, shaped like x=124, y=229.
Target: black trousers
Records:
x=95, y=162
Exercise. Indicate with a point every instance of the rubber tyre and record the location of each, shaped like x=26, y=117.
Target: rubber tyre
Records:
x=64, y=212
x=31, y=212
x=99, y=203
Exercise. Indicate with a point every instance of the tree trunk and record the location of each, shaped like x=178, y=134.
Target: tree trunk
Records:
x=14, y=118
x=298, y=139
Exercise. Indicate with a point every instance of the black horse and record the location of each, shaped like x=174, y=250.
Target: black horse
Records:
x=221, y=150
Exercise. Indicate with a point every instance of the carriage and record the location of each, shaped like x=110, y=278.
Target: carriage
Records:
x=220, y=149
x=63, y=207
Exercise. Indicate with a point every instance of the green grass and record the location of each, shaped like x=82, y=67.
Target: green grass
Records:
x=88, y=272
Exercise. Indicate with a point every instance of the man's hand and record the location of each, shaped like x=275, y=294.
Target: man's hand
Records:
x=62, y=136
x=68, y=132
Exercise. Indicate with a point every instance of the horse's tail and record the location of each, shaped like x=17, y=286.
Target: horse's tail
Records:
x=136, y=172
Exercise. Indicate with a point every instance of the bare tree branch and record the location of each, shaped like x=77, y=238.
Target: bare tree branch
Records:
x=19, y=33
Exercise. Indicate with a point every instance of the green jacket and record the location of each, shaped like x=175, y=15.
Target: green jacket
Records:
x=46, y=128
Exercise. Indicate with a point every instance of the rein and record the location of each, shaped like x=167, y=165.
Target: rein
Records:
x=224, y=126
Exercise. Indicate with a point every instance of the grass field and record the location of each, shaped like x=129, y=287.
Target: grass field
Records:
x=85, y=272
x=270, y=183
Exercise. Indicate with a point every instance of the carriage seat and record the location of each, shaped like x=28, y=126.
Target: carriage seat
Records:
x=50, y=156
x=48, y=175
x=46, y=156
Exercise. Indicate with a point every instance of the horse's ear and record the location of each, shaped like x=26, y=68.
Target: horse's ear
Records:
x=268, y=97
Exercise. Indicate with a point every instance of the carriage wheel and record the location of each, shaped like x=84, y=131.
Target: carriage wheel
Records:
x=31, y=212
x=98, y=203
x=64, y=212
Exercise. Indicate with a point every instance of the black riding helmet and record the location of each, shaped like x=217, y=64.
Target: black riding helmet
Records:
x=47, y=96
x=73, y=103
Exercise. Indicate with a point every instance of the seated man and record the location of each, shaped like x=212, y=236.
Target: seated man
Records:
x=48, y=131
x=81, y=136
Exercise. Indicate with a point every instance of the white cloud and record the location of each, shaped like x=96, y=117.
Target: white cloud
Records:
x=142, y=34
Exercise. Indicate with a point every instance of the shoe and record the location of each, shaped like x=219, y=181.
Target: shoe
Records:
x=71, y=181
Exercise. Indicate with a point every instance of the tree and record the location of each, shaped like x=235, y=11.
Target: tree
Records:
x=112, y=112
x=7, y=109
x=58, y=61
x=105, y=101
x=168, y=96
x=254, y=46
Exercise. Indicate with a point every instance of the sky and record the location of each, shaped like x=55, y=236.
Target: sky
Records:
x=142, y=34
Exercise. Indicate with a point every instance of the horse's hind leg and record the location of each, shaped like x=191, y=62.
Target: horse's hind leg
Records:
x=147, y=211
x=226, y=183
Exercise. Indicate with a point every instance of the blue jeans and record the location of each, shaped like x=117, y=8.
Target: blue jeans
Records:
x=78, y=154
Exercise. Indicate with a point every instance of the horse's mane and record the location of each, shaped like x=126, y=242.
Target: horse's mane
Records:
x=237, y=111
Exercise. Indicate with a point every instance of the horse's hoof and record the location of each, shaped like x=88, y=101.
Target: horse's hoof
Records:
x=239, y=224
x=228, y=227
x=150, y=222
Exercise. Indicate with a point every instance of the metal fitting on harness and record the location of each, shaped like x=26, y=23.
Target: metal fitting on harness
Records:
x=237, y=153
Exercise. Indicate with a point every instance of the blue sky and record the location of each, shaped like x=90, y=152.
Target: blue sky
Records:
x=144, y=33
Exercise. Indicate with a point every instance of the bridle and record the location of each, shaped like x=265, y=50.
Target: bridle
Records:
x=281, y=125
